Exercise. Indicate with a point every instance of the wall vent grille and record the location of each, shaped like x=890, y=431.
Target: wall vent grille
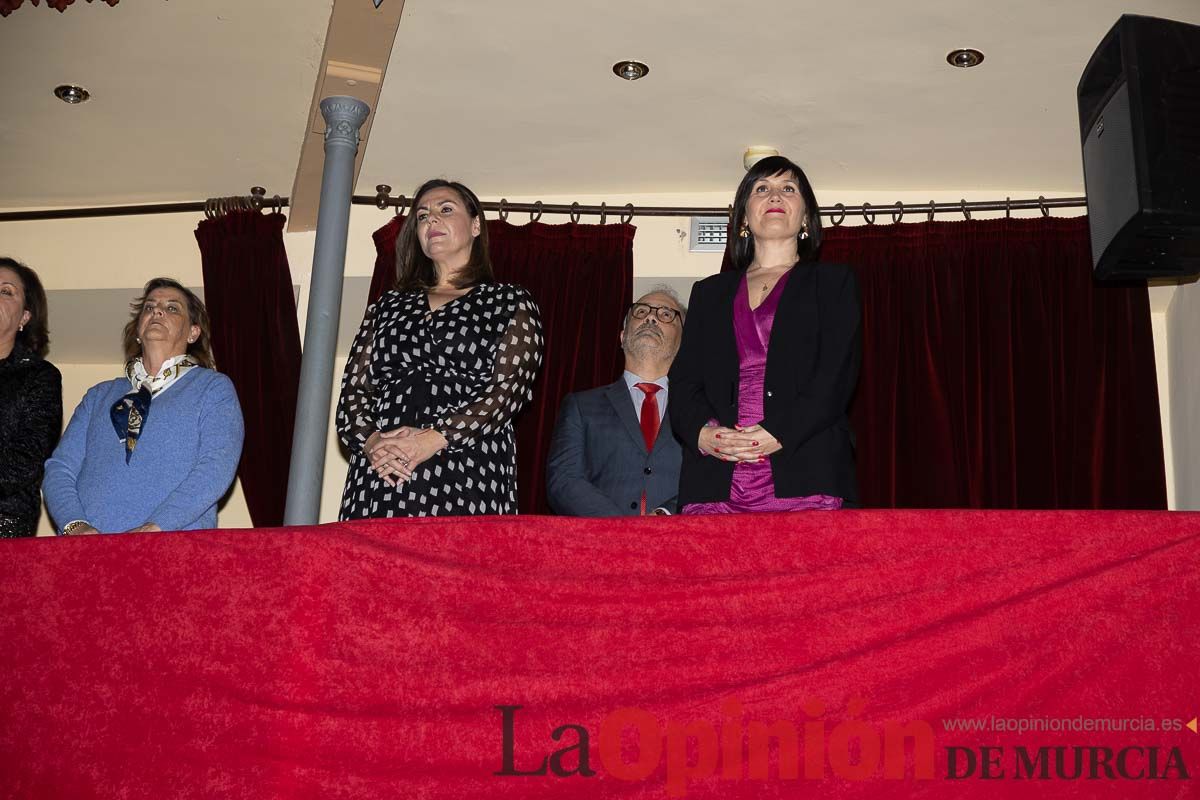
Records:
x=708, y=234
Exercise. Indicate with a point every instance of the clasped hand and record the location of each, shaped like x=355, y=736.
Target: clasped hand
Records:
x=740, y=443
x=395, y=454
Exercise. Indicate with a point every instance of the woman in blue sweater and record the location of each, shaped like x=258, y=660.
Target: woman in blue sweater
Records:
x=156, y=449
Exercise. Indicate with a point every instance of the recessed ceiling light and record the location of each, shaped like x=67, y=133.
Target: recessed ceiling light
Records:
x=630, y=70
x=964, y=57
x=71, y=94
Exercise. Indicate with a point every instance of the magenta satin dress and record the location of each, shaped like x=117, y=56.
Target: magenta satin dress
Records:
x=753, y=487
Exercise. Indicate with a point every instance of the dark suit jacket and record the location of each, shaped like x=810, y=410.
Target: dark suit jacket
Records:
x=812, y=368
x=598, y=464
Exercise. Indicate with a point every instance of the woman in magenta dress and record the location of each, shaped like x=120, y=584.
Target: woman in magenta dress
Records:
x=768, y=362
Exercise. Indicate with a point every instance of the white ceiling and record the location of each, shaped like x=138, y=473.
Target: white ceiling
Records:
x=190, y=99
x=197, y=99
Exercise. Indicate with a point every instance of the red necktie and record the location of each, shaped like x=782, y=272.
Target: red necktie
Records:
x=649, y=413
x=649, y=421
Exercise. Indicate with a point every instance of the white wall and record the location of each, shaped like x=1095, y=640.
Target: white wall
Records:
x=1183, y=356
x=1158, y=325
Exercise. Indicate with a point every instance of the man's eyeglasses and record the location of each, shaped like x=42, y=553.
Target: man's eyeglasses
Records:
x=665, y=314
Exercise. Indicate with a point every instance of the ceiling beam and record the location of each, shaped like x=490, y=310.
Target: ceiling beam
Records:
x=358, y=45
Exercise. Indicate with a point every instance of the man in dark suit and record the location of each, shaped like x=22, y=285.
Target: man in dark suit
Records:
x=613, y=452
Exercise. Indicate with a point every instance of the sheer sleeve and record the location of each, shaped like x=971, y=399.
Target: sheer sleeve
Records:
x=355, y=418
x=517, y=357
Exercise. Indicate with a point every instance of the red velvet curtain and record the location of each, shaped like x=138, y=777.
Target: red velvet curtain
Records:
x=996, y=373
x=256, y=342
x=582, y=279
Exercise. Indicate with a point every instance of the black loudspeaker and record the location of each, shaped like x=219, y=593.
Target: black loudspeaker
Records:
x=1139, y=119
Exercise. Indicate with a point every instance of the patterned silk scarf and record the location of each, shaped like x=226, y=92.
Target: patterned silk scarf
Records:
x=130, y=412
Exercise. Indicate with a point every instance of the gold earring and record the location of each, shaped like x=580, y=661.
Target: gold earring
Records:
x=803, y=232
x=744, y=232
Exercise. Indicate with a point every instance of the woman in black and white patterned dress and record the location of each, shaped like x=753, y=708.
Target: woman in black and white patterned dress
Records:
x=439, y=368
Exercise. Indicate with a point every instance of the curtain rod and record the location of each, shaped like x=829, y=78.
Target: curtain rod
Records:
x=837, y=213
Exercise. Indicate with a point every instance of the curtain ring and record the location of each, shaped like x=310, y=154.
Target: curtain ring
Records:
x=898, y=214
x=502, y=212
x=208, y=208
x=627, y=214
x=401, y=202
x=277, y=201
x=1007, y=207
x=932, y=211
x=603, y=211
x=575, y=212
x=962, y=204
x=537, y=207
x=1042, y=206
x=382, y=195
x=841, y=216
x=870, y=219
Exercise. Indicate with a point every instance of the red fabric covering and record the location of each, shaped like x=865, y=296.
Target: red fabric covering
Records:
x=364, y=660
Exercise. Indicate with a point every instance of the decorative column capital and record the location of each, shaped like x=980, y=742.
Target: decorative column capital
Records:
x=343, y=117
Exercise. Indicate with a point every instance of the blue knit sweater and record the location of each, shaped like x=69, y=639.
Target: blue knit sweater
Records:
x=185, y=459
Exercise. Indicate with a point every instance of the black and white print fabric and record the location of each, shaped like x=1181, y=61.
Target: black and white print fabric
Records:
x=465, y=369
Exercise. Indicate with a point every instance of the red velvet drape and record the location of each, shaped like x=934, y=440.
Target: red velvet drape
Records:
x=256, y=342
x=996, y=373
x=582, y=279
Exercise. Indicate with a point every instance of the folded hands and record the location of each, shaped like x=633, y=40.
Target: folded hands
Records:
x=395, y=454
x=740, y=443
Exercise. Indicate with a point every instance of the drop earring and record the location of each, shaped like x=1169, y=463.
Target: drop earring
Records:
x=803, y=232
x=744, y=233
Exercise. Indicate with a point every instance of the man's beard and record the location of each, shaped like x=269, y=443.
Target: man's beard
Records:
x=646, y=343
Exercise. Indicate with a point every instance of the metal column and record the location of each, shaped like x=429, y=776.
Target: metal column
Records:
x=343, y=117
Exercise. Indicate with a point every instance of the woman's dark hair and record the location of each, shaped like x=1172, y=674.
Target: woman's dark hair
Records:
x=743, y=247
x=35, y=336
x=415, y=270
x=200, y=350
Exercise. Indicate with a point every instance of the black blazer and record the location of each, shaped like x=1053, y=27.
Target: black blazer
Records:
x=812, y=369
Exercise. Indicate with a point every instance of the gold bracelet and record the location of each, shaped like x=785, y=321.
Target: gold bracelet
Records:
x=74, y=526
